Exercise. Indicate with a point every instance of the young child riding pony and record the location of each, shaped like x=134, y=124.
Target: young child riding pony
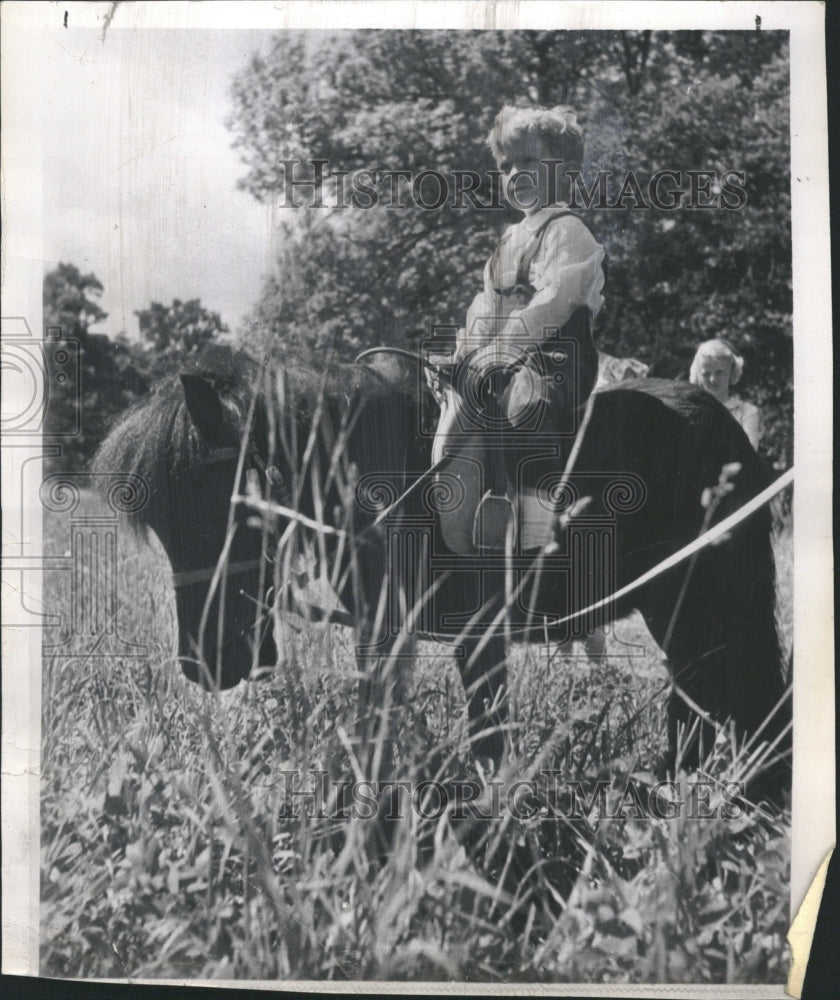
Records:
x=525, y=360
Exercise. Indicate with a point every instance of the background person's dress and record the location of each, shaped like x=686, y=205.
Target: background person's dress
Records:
x=748, y=416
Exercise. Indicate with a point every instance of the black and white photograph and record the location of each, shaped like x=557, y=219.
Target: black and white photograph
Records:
x=416, y=441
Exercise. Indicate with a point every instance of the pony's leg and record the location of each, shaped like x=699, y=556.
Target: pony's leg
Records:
x=722, y=646
x=382, y=650
x=382, y=669
x=484, y=674
x=382, y=673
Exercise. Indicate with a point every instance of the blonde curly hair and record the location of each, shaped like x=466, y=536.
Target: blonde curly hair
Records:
x=557, y=127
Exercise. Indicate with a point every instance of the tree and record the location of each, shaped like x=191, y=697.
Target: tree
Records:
x=172, y=335
x=109, y=380
x=114, y=371
x=418, y=100
x=69, y=300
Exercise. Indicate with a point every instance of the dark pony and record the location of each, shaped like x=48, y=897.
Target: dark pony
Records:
x=336, y=449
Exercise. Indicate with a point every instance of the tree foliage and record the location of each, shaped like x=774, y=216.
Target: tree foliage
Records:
x=172, y=335
x=70, y=300
x=420, y=100
x=109, y=377
x=114, y=371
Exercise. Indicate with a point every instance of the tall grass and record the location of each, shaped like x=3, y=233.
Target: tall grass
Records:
x=173, y=844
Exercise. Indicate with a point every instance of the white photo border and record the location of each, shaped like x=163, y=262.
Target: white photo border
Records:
x=30, y=28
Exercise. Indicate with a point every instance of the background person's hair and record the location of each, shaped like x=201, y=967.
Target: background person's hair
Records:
x=557, y=127
x=717, y=348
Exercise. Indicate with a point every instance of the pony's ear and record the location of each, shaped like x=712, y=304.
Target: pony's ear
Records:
x=204, y=407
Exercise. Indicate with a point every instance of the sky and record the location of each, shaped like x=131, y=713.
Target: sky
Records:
x=139, y=173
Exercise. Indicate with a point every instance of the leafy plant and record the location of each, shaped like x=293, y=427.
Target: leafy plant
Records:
x=175, y=843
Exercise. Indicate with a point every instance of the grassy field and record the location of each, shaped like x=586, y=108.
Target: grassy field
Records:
x=170, y=848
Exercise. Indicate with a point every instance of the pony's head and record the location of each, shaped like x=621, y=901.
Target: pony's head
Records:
x=186, y=442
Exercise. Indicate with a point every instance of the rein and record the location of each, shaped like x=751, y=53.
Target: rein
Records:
x=711, y=536
x=274, y=479
x=399, y=351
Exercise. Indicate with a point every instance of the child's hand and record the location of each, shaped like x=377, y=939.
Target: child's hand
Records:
x=438, y=378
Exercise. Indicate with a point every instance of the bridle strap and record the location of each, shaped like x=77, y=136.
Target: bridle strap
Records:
x=192, y=576
x=222, y=455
